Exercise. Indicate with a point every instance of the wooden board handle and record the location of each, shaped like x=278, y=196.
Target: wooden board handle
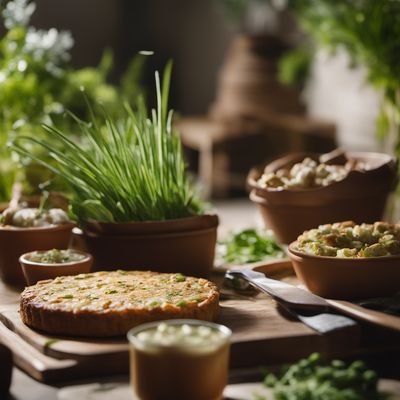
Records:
x=28, y=358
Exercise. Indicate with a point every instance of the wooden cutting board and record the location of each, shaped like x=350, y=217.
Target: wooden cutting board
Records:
x=261, y=336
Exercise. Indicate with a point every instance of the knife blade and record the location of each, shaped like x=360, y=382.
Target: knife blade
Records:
x=312, y=310
x=324, y=322
x=288, y=295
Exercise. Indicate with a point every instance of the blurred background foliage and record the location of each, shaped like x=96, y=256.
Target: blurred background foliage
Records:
x=38, y=81
x=38, y=85
x=368, y=30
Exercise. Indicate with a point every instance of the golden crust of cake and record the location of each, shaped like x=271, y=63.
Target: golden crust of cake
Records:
x=104, y=304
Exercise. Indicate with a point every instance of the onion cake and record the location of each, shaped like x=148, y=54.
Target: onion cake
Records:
x=105, y=304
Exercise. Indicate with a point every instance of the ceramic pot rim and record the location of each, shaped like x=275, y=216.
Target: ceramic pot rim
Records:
x=138, y=228
x=256, y=198
x=24, y=260
x=257, y=171
x=61, y=227
x=340, y=260
x=152, y=236
x=165, y=221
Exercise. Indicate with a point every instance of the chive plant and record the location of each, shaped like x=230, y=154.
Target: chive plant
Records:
x=129, y=170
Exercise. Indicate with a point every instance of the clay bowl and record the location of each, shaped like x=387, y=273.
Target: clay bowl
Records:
x=16, y=241
x=288, y=221
x=189, y=252
x=360, y=197
x=37, y=271
x=347, y=278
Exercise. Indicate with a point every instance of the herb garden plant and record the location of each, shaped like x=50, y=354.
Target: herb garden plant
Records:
x=131, y=170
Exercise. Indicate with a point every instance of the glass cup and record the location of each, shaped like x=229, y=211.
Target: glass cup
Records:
x=179, y=359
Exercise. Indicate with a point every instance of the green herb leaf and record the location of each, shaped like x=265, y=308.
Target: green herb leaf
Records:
x=248, y=246
x=180, y=278
x=181, y=303
x=127, y=170
x=50, y=342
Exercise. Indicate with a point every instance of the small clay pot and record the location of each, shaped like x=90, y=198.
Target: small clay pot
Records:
x=37, y=271
x=360, y=197
x=6, y=363
x=190, y=252
x=347, y=278
x=16, y=241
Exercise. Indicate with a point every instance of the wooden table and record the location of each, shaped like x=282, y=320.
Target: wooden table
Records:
x=240, y=214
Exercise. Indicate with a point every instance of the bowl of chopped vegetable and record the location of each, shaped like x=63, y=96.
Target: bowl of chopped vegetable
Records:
x=41, y=265
x=344, y=260
x=303, y=190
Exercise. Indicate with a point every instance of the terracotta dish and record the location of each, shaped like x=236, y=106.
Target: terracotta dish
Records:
x=153, y=227
x=361, y=196
x=184, y=245
x=347, y=278
x=37, y=271
x=191, y=253
x=16, y=241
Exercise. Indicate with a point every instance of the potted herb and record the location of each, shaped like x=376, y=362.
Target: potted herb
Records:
x=131, y=193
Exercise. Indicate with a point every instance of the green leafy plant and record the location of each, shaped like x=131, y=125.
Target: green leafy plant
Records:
x=369, y=31
x=294, y=66
x=38, y=84
x=130, y=170
x=312, y=379
x=248, y=246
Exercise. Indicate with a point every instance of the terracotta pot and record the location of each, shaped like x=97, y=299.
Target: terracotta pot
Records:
x=190, y=252
x=16, y=241
x=360, y=197
x=289, y=221
x=6, y=363
x=151, y=227
x=36, y=271
x=347, y=278
x=247, y=83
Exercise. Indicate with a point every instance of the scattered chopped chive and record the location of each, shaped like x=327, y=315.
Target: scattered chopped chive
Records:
x=50, y=342
x=180, y=278
x=122, y=272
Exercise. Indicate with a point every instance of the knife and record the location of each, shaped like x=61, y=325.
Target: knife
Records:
x=312, y=310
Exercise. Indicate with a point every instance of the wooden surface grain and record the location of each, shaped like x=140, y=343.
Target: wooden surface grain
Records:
x=260, y=331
